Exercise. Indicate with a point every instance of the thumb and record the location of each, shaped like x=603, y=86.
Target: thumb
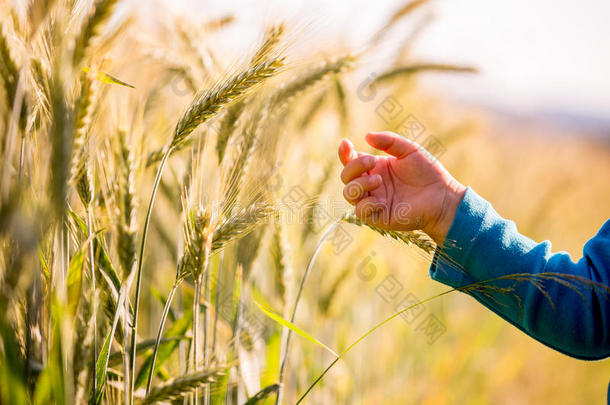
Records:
x=391, y=143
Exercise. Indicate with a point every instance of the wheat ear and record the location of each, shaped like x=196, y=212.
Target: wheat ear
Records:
x=409, y=7
x=9, y=73
x=227, y=127
x=230, y=119
x=240, y=224
x=198, y=240
x=218, y=23
x=278, y=253
x=263, y=394
x=240, y=165
x=126, y=207
x=423, y=67
x=102, y=11
x=80, y=173
x=8, y=68
x=272, y=39
x=183, y=385
x=293, y=89
x=209, y=103
x=414, y=238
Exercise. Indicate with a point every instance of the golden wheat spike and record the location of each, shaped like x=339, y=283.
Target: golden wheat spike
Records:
x=209, y=103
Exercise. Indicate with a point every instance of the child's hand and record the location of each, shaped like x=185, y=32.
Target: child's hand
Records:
x=405, y=191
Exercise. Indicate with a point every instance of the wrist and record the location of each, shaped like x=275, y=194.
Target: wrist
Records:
x=452, y=198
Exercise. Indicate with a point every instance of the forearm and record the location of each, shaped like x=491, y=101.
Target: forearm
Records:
x=483, y=247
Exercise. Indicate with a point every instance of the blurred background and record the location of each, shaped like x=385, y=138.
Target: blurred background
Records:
x=513, y=97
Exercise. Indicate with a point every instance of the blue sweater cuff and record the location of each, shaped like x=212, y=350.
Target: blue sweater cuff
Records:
x=452, y=258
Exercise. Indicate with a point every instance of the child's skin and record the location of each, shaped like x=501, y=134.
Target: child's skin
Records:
x=404, y=191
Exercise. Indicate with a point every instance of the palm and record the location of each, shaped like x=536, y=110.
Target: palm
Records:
x=409, y=193
x=409, y=186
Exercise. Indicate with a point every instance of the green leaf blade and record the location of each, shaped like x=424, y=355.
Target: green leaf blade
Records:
x=284, y=322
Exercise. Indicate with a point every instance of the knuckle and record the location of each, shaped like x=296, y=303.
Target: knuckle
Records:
x=362, y=209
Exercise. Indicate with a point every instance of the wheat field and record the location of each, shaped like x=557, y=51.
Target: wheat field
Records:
x=172, y=228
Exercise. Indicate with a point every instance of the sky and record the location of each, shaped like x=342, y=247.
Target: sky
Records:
x=533, y=56
x=542, y=54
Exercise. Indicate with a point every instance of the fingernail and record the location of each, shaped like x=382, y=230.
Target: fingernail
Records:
x=369, y=161
x=376, y=179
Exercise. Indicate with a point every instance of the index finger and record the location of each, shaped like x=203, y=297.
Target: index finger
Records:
x=357, y=167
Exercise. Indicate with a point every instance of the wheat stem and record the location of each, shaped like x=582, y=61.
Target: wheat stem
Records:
x=326, y=234
x=485, y=287
x=217, y=300
x=134, y=326
x=196, y=308
x=166, y=308
x=364, y=336
x=93, y=288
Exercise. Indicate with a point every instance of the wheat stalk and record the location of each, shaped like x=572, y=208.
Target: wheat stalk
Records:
x=199, y=241
x=486, y=287
x=284, y=359
x=84, y=334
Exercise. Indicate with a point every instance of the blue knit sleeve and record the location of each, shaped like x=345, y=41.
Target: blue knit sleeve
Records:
x=545, y=294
